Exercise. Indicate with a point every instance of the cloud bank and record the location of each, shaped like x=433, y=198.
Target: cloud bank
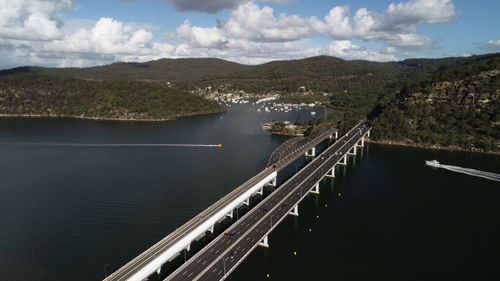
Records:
x=30, y=33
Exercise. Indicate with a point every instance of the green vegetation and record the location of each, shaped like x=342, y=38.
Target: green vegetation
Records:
x=306, y=98
x=179, y=71
x=38, y=94
x=285, y=128
x=455, y=107
x=426, y=102
x=452, y=102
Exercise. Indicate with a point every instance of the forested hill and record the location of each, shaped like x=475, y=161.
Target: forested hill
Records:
x=456, y=105
x=321, y=73
x=34, y=94
x=171, y=70
x=441, y=102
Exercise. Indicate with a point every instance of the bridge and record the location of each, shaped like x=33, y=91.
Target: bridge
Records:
x=222, y=255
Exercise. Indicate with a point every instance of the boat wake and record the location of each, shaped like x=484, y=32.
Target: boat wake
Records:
x=115, y=144
x=472, y=172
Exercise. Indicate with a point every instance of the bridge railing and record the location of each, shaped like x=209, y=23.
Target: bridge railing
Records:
x=180, y=238
x=310, y=175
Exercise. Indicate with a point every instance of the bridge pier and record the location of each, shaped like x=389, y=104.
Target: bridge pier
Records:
x=294, y=211
x=343, y=160
x=230, y=214
x=331, y=173
x=260, y=191
x=247, y=201
x=353, y=150
x=313, y=152
x=361, y=143
x=158, y=271
x=334, y=136
x=368, y=133
x=211, y=229
x=272, y=182
x=315, y=189
x=264, y=242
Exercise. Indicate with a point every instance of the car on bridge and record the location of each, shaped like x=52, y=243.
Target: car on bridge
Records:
x=229, y=234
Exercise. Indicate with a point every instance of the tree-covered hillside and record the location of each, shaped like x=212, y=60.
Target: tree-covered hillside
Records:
x=178, y=71
x=455, y=107
x=38, y=94
x=441, y=102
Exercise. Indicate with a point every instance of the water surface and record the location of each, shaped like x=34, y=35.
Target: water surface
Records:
x=71, y=213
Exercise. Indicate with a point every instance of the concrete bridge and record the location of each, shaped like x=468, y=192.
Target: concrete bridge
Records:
x=223, y=254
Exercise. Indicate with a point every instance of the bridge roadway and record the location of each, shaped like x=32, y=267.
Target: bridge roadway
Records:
x=216, y=260
x=131, y=270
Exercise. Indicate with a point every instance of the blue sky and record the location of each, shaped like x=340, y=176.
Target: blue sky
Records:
x=96, y=32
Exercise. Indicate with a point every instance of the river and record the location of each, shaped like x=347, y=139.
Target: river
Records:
x=77, y=213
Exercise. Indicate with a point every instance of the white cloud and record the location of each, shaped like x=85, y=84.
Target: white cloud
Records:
x=397, y=26
x=107, y=36
x=201, y=37
x=251, y=22
x=31, y=20
x=347, y=50
x=31, y=33
x=420, y=12
x=492, y=45
x=108, y=40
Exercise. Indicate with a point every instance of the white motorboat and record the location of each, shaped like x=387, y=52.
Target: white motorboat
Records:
x=433, y=163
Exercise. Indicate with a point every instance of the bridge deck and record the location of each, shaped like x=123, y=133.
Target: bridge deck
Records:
x=223, y=254
x=151, y=255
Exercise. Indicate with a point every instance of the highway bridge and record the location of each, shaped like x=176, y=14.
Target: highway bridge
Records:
x=167, y=249
x=221, y=256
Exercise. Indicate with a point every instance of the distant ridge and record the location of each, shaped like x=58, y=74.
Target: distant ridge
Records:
x=446, y=102
x=322, y=73
x=162, y=69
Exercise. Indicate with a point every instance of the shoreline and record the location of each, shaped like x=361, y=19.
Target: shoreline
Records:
x=286, y=134
x=91, y=118
x=430, y=147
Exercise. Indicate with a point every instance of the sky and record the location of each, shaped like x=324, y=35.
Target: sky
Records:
x=80, y=33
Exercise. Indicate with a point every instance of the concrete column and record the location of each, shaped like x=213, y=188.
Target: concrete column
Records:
x=353, y=152
x=313, y=152
x=260, y=191
x=211, y=229
x=294, y=211
x=188, y=247
x=158, y=271
x=361, y=143
x=315, y=189
x=336, y=134
x=331, y=173
x=368, y=133
x=230, y=214
x=264, y=242
x=272, y=182
x=343, y=160
x=247, y=201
